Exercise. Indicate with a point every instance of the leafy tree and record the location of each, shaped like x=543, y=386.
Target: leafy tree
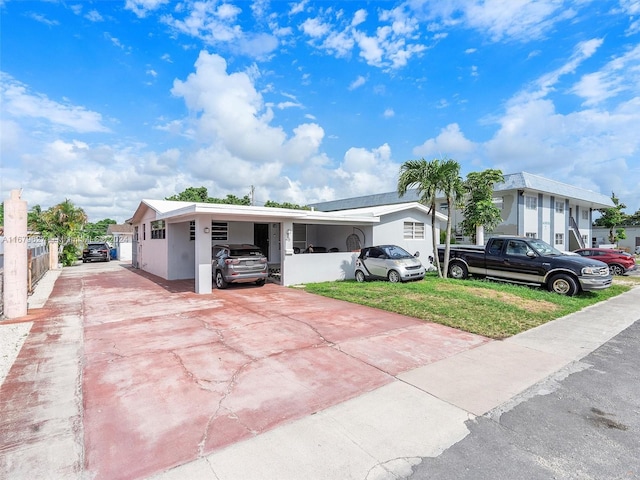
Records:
x=611, y=218
x=191, y=194
x=479, y=211
x=64, y=221
x=200, y=194
x=1, y=213
x=98, y=229
x=292, y=206
x=633, y=220
x=232, y=200
x=426, y=178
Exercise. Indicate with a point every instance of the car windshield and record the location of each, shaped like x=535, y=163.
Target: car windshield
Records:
x=543, y=248
x=246, y=252
x=395, y=252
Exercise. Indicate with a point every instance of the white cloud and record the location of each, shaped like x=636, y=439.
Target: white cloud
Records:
x=389, y=113
x=19, y=103
x=94, y=16
x=142, y=7
x=521, y=20
x=622, y=74
x=38, y=17
x=233, y=117
x=358, y=82
x=314, y=27
x=217, y=24
x=451, y=143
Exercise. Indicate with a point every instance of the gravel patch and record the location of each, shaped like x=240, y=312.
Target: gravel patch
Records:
x=12, y=336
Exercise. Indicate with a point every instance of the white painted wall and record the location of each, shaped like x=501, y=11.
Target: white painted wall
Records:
x=390, y=230
x=152, y=253
x=318, y=267
x=181, y=252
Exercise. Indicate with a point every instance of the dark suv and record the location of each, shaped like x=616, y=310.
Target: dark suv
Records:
x=238, y=263
x=99, y=251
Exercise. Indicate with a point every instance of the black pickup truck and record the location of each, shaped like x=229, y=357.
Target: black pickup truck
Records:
x=528, y=261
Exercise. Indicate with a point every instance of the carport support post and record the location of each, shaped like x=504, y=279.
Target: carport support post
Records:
x=14, y=293
x=203, y=255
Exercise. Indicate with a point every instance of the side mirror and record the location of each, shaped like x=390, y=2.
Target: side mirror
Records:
x=417, y=254
x=531, y=254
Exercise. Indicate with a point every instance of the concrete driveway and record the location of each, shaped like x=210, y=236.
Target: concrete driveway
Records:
x=125, y=375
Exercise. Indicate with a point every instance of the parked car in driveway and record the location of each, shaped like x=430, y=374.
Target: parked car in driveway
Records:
x=388, y=262
x=619, y=261
x=238, y=263
x=96, y=251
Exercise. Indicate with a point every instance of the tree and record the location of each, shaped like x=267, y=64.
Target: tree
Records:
x=200, y=195
x=191, y=194
x=479, y=211
x=425, y=177
x=64, y=221
x=292, y=206
x=611, y=218
x=633, y=220
x=452, y=186
x=98, y=229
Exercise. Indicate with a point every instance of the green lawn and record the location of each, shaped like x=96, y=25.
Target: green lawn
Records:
x=492, y=309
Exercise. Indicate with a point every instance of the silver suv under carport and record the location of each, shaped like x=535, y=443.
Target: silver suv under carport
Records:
x=238, y=263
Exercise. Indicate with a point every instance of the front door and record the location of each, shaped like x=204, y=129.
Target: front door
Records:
x=261, y=237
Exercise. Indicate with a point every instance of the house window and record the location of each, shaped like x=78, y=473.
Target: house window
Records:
x=414, y=230
x=219, y=231
x=531, y=202
x=158, y=230
x=559, y=239
x=444, y=207
x=498, y=202
x=135, y=233
x=144, y=231
x=585, y=214
x=530, y=234
x=559, y=207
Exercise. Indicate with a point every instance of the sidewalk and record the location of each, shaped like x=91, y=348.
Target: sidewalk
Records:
x=109, y=373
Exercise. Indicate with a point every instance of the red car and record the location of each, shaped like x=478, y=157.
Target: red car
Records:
x=619, y=261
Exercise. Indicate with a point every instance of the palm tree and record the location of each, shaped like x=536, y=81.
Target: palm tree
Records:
x=426, y=178
x=480, y=213
x=452, y=186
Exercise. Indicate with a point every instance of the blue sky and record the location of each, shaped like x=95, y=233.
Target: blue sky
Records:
x=109, y=102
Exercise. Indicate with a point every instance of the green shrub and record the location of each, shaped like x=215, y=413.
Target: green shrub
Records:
x=69, y=255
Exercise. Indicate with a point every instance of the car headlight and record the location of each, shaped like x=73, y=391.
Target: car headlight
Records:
x=592, y=271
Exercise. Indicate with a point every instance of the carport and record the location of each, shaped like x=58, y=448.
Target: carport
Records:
x=173, y=239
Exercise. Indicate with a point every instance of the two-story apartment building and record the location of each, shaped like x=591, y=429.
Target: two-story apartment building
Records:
x=531, y=205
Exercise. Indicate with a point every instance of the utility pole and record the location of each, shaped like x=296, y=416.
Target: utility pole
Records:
x=251, y=194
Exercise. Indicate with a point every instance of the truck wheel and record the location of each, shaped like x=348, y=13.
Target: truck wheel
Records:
x=394, y=277
x=616, y=269
x=360, y=276
x=458, y=270
x=220, y=281
x=563, y=284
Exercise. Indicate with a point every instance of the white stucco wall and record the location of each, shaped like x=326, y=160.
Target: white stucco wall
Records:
x=181, y=252
x=152, y=253
x=318, y=267
x=390, y=230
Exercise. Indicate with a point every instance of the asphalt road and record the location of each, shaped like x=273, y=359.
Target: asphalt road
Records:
x=582, y=423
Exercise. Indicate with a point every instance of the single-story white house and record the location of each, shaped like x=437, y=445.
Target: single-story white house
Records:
x=173, y=239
